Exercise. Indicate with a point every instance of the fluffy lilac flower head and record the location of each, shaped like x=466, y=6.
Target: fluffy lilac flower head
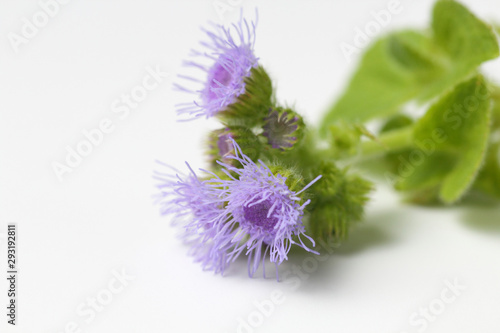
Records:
x=250, y=210
x=227, y=62
x=193, y=206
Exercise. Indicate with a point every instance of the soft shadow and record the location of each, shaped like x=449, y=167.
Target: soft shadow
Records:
x=482, y=218
x=364, y=237
x=478, y=200
x=375, y=231
x=371, y=233
x=480, y=213
x=378, y=229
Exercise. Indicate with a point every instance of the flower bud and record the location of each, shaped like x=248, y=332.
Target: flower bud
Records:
x=221, y=145
x=283, y=128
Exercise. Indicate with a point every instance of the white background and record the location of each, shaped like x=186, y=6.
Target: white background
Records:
x=100, y=219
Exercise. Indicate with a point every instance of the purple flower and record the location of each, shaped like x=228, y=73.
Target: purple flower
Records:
x=227, y=62
x=248, y=210
x=224, y=143
x=194, y=206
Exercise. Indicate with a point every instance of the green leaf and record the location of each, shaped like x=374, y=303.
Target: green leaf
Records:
x=488, y=180
x=396, y=122
x=495, y=95
x=450, y=142
x=389, y=75
x=412, y=65
x=466, y=41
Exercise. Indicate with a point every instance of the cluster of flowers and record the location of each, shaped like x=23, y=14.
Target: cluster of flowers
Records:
x=242, y=205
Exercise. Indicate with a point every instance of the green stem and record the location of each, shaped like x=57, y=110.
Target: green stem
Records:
x=389, y=142
x=306, y=157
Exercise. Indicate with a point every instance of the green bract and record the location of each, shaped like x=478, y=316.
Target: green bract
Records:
x=337, y=201
x=252, y=106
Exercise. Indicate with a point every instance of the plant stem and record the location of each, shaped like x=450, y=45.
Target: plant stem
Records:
x=393, y=141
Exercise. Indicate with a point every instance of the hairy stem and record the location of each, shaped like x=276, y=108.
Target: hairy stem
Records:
x=389, y=142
